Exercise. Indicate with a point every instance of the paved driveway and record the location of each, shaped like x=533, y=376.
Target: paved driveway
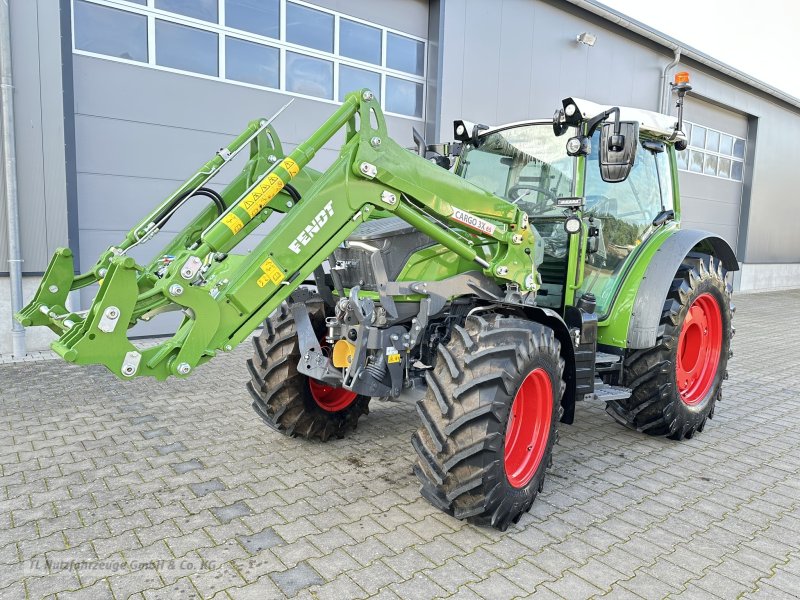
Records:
x=176, y=490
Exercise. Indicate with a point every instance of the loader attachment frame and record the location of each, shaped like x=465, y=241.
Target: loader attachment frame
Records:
x=224, y=297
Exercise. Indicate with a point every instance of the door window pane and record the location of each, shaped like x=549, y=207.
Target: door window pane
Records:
x=737, y=169
x=623, y=213
x=310, y=76
x=695, y=161
x=403, y=97
x=712, y=140
x=256, y=16
x=726, y=144
x=186, y=48
x=360, y=41
x=710, y=166
x=665, y=179
x=687, y=129
x=738, y=148
x=698, y=139
x=110, y=31
x=405, y=54
x=205, y=10
x=309, y=27
x=724, y=169
x=252, y=63
x=352, y=79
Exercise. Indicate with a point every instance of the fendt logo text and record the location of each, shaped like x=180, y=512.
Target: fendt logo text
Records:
x=311, y=230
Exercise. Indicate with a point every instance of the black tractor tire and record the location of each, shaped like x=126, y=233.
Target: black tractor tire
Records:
x=282, y=396
x=465, y=415
x=664, y=402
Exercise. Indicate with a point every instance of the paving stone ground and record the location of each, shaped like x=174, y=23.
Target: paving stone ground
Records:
x=177, y=490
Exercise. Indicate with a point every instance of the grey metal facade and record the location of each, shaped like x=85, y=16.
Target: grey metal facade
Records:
x=139, y=131
x=39, y=122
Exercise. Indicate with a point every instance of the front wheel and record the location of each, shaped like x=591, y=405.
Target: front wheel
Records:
x=677, y=383
x=489, y=419
x=289, y=401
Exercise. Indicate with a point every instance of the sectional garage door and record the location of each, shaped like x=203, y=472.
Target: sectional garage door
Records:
x=712, y=169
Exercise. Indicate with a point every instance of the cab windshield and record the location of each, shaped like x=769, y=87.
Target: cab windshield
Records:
x=525, y=164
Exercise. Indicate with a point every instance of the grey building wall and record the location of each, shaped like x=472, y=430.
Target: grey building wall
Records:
x=770, y=237
x=39, y=128
x=519, y=59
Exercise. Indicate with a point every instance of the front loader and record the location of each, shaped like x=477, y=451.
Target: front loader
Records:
x=507, y=273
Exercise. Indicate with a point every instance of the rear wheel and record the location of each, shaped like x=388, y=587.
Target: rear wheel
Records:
x=677, y=383
x=291, y=402
x=489, y=419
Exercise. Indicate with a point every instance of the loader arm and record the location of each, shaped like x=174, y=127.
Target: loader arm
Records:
x=224, y=296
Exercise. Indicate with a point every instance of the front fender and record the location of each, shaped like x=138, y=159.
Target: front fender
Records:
x=636, y=314
x=553, y=320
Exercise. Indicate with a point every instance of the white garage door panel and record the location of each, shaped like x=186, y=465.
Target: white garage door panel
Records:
x=703, y=210
x=716, y=117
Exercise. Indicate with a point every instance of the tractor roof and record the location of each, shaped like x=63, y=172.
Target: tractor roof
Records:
x=653, y=123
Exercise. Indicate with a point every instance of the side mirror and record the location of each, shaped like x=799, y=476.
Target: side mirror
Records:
x=618, y=150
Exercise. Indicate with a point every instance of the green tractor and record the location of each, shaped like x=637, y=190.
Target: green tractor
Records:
x=509, y=274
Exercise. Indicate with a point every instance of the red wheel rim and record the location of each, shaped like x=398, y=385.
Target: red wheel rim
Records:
x=332, y=399
x=528, y=428
x=329, y=398
x=699, y=348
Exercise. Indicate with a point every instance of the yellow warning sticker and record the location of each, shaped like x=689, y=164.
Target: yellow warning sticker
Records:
x=233, y=223
x=272, y=273
x=260, y=196
x=290, y=166
x=393, y=358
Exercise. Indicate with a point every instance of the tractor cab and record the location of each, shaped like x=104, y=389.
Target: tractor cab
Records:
x=620, y=196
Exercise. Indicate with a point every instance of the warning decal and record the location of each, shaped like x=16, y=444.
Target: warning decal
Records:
x=260, y=196
x=392, y=355
x=233, y=223
x=290, y=166
x=472, y=221
x=272, y=273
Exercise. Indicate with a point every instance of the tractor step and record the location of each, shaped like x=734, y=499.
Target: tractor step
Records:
x=604, y=358
x=607, y=393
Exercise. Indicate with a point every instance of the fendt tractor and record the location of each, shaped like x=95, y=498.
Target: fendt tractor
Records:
x=508, y=274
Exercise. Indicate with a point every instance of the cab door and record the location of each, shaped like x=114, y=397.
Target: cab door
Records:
x=619, y=216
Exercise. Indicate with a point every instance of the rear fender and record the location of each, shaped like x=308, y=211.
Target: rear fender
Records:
x=639, y=321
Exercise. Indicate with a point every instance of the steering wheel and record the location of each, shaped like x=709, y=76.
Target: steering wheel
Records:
x=514, y=193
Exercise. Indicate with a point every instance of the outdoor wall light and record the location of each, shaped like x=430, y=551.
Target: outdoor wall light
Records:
x=586, y=38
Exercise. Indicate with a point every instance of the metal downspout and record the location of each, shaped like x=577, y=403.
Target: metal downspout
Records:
x=10, y=180
x=663, y=94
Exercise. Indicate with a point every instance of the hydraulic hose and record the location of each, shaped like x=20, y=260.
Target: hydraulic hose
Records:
x=168, y=211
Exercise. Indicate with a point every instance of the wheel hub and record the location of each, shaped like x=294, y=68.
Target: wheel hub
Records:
x=699, y=348
x=528, y=428
x=330, y=398
x=327, y=397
